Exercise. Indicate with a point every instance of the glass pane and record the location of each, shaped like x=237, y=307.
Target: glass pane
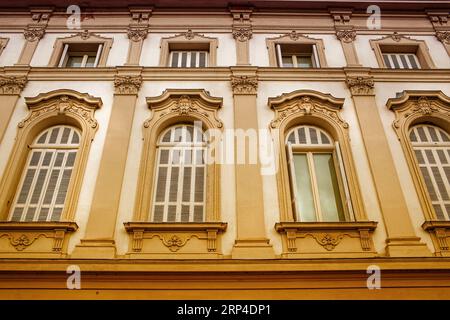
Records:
x=90, y=61
x=174, y=59
x=287, y=61
x=412, y=60
x=305, y=201
x=193, y=59
x=395, y=61
x=184, y=59
x=74, y=61
x=304, y=62
x=202, y=59
x=386, y=61
x=330, y=199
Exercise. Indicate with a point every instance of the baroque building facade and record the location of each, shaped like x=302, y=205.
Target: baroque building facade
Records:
x=109, y=120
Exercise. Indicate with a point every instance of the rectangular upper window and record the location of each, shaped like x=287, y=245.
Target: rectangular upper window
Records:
x=80, y=55
x=188, y=59
x=297, y=56
x=401, y=61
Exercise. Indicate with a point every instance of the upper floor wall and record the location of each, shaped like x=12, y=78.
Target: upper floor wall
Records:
x=242, y=36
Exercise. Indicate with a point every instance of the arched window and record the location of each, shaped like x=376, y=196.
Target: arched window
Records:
x=431, y=147
x=318, y=183
x=43, y=186
x=180, y=179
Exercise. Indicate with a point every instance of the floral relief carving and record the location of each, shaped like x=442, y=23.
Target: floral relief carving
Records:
x=62, y=105
x=23, y=241
x=328, y=240
x=85, y=34
x=137, y=33
x=244, y=84
x=306, y=106
x=242, y=33
x=127, y=84
x=360, y=85
x=346, y=35
x=190, y=34
x=12, y=84
x=184, y=106
x=174, y=242
x=34, y=33
x=443, y=36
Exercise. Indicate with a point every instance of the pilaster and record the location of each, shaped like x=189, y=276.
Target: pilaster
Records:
x=439, y=20
x=242, y=33
x=251, y=241
x=346, y=33
x=401, y=238
x=11, y=85
x=99, y=241
x=33, y=33
x=137, y=33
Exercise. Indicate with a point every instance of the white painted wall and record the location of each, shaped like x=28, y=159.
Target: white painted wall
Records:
x=11, y=53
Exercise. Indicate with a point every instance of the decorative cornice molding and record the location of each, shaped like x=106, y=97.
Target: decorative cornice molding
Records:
x=443, y=36
x=346, y=35
x=127, y=84
x=244, y=84
x=34, y=33
x=12, y=84
x=242, y=33
x=360, y=85
x=306, y=103
x=63, y=102
x=137, y=33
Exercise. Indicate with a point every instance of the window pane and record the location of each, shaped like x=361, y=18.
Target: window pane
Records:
x=183, y=59
x=202, y=60
x=395, y=61
x=305, y=201
x=193, y=59
x=304, y=62
x=330, y=199
x=90, y=61
x=174, y=59
x=386, y=61
x=74, y=61
x=412, y=60
x=287, y=61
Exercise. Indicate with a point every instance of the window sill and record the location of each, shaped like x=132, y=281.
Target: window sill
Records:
x=440, y=232
x=327, y=239
x=25, y=239
x=173, y=240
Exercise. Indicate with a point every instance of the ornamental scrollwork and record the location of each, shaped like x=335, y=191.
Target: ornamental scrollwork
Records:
x=12, y=84
x=360, y=85
x=306, y=106
x=34, y=33
x=346, y=35
x=242, y=34
x=244, y=84
x=127, y=84
x=137, y=33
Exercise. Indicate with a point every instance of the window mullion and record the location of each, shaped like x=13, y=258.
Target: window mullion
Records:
x=180, y=186
x=63, y=56
x=84, y=61
x=294, y=61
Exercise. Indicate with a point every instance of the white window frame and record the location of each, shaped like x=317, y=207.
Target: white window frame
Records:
x=44, y=148
x=309, y=150
x=433, y=147
x=183, y=146
x=66, y=54
x=188, y=58
x=402, y=66
x=314, y=57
